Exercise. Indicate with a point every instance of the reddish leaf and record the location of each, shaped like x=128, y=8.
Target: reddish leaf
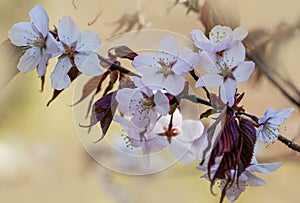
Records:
x=248, y=133
x=93, y=84
x=103, y=112
x=124, y=52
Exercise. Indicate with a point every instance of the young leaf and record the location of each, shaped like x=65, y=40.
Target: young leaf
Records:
x=248, y=133
x=103, y=112
x=93, y=84
x=124, y=52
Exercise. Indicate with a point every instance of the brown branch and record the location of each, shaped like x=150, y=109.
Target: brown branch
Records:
x=290, y=144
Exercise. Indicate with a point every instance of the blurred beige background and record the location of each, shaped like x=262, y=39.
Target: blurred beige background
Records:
x=41, y=158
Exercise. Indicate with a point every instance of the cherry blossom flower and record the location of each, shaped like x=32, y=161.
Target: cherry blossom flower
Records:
x=142, y=105
x=224, y=71
x=220, y=38
x=79, y=51
x=246, y=178
x=269, y=123
x=182, y=136
x=141, y=138
x=166, y=69
x=39, y=44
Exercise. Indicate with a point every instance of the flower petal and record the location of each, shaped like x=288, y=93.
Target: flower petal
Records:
x=168, y=50
x=227, y=91
x=240, y=33
x=53, y=47
x=281, y=116
x=59, y=77
x=244, y=70
x=89, y=42
x=123, y=98
x=234, y=55
x=188, y=136
x=30, y=60
x=201, y=41
x=187, y=60
x=68, y=32
x=264, y=168
x=161, y=103
x=234, y=191
x=145, y=60
x=42, y=67
x=88, y=64
x=22, y=33
x=40, y=19
x=208, y=62
x=210, y=80
x=221, y=37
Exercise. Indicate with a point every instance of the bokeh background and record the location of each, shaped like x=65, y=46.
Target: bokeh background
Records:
x=42, y=159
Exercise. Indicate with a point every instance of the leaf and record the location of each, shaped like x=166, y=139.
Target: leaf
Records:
x=103, y=112
x=248, y=133
x=93, y=84
x=73, y=73
x=9, y=58
x=124, y=52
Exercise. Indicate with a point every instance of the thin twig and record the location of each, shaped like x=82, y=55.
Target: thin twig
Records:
x=114, y=66
x=197, y=100
x=290, y=144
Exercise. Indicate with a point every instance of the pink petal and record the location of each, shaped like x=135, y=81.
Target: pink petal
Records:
x=168, y=49
x=161, y=103
x=88, y=64
x=89, y=42
x=201, y=41
x=234, y=55
x=30, y=60
x=239, y=33
x=53, y=47
x=186, y=61
x=68, y=32
x=22, y=33
x=123, y=98
x=59, y=77
x=208, y=62
x=145, y=60
x=244, y=70
x=221, y=37
x=43, y=63
x=187, y=135
x=40, y=19
x=210, y=80
x=227, y=91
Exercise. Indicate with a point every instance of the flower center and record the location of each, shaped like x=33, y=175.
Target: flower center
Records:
x=166, y=69
x=40, y=43
x=217, y=36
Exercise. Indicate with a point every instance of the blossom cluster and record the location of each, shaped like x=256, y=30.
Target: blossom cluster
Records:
x=148, y=104
x=75, y=48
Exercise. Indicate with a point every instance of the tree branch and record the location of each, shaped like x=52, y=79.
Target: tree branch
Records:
x=114, y=66
x=290, y=144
